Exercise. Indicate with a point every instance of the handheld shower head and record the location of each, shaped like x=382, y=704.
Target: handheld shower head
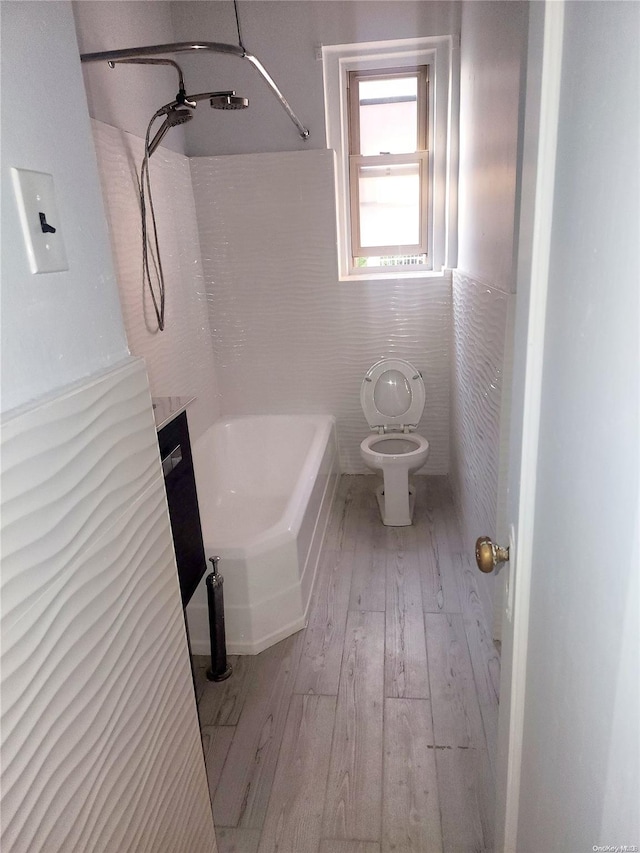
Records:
x=173, y=117
x=176, y=117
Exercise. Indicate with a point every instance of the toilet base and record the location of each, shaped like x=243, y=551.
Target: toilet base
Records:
x=399, y=517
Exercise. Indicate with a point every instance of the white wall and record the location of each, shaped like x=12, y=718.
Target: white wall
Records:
x=284, y=35
x=179, y=359
x=288, y=337
x=491, y=63
x=100, y=740
x=480, y=315
x=56, y=327
x=493, y=43
x=128, y=95
x=332, y=332
x=580, y=773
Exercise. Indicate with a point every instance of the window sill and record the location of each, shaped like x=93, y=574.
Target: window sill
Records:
x=369, y=277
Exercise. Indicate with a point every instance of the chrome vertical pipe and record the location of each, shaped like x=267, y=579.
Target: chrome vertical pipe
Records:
x=220, y=670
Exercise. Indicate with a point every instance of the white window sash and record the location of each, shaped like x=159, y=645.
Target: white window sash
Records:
x=420, y=72
x=421, y=158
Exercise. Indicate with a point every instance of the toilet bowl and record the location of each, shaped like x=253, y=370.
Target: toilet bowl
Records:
x=392, y=397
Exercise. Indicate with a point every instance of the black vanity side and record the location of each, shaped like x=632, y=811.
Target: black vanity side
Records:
x=180, y=485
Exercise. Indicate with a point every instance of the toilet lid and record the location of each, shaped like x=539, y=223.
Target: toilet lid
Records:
x=392, y=395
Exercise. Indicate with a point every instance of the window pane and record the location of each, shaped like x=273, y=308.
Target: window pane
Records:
x=389, y=199
x=389, y=116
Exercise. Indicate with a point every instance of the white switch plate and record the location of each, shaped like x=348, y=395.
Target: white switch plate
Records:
x=35, y=194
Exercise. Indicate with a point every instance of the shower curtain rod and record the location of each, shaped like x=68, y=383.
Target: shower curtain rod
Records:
x=186, y=46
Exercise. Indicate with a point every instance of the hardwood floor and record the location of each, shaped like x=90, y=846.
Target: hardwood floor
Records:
x=373, y=730
x=411, y=806
x=353, y=801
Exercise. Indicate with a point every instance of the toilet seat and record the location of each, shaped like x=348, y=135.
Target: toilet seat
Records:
x=384, y=449
x=392, y=396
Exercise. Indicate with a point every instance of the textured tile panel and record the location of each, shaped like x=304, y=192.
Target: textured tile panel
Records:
x=100, y=741
x=104, y=452
x=290, y=338
x=180, y=359
x=479, y=319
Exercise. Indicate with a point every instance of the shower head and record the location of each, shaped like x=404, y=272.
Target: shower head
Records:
x=176, y=117
x=173, y=117
x=228, y=101
x=174, y=113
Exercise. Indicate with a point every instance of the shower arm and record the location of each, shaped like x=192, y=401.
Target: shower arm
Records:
x=187, y=46
x=139, y=60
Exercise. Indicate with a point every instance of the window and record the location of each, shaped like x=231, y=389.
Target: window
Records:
x=388, y=166
x=388, y=109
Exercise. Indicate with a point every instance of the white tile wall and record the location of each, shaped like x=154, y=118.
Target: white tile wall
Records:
x=480, y=315
x=100, y=741
x=179, y=360
x=288, y=337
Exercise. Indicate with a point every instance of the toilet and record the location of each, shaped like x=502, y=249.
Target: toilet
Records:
x=392, y=398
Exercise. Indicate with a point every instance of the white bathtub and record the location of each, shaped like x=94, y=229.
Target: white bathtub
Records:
x=265, y=484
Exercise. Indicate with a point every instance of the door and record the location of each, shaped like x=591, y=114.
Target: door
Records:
x=568, y=729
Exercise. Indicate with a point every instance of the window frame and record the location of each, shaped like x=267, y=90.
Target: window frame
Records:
x=441, y=54
x=420, y=156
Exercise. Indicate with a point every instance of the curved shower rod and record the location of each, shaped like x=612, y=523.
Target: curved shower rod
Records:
x=186, y=46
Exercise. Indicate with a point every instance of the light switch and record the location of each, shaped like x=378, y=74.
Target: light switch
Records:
x=40, y=221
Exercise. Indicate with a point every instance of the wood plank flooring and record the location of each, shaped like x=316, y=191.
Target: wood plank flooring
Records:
x=366, y=732
x=353, y=798
x=411, y=805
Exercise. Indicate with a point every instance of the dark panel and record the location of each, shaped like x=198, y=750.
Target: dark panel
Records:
x=175, y=452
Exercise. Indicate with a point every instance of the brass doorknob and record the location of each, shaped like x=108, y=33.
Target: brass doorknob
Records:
x=489, y=555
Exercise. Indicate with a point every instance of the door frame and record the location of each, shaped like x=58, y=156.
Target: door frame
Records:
x=537, y=174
